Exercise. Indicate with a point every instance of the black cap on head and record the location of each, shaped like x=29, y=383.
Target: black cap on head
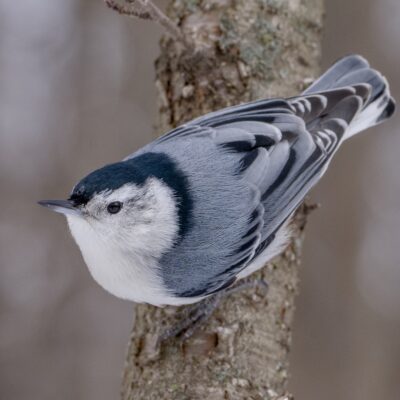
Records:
x=137, y=170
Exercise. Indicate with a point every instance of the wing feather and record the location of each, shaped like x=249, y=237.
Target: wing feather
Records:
x=283, y=147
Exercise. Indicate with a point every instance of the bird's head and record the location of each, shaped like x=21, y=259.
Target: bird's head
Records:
x=123, y=205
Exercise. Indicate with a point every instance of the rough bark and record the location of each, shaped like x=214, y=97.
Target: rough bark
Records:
x=240, y=50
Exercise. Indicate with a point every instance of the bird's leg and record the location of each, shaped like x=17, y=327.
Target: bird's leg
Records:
x=194, y=316
x=247, y=284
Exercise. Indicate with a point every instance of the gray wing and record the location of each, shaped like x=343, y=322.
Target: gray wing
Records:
x=280, y=149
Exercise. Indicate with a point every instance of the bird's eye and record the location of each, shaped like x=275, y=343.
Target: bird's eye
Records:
x=114, y=207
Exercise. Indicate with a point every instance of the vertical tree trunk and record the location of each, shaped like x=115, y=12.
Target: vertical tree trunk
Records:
x=242, y=50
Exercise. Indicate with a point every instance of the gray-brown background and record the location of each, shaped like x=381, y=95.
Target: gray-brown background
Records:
x=76, y=91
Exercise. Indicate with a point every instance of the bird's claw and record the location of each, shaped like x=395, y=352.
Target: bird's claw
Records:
x=193, y=317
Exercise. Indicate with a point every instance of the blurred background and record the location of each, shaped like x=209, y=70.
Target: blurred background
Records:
x=76, y=91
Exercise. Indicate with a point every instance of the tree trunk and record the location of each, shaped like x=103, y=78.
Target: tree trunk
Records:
x=240, y=50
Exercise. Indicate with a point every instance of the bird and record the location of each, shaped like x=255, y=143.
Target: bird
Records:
x=210, y=202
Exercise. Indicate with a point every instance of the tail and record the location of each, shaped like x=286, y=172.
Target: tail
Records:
x=354, y=71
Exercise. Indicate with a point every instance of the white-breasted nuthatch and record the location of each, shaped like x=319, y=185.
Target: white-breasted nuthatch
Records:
x=209, y=202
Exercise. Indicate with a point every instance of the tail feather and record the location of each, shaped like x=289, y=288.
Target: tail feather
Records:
x=337, y=71
x=354, y=71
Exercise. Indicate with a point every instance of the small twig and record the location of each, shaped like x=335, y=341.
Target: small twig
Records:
x=146, y=9
x=162, y=19
x=127, y=10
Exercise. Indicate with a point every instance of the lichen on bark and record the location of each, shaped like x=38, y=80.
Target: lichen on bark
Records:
x=240, y=50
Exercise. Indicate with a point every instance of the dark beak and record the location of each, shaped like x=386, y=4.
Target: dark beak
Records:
x=61, y=206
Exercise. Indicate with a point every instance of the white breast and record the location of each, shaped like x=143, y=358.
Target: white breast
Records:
x=129, y=276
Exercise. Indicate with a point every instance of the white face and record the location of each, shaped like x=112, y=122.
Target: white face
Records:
x=131, y=217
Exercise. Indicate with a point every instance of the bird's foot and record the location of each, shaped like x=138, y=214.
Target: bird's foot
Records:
x=247, y=284
x=192, y=317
